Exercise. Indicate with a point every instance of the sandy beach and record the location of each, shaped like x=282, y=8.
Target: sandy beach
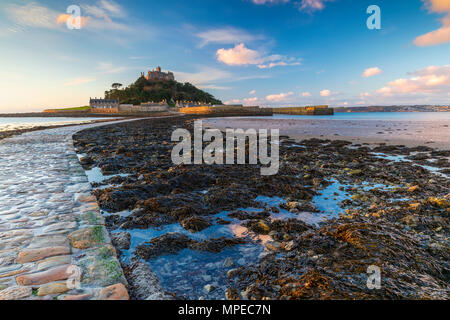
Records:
x=435, y=134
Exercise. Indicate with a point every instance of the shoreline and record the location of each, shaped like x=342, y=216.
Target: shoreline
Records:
x=372, y=132
x=12, y=133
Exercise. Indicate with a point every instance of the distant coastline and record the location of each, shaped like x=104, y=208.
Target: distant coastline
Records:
x=429, y=108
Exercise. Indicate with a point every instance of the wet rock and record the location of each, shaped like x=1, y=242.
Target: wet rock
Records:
x=88, y=237
x=114, y=292
x=121, y=240
x=209, y=288
x=15, y=293
x=216, y=245
x=53, y=288
x=54, y=274
x=273, y=246
x=39, y=254
x=228, y=263
x=259, y=227
x=144, y=282
x=195, y=223
x=166, y=244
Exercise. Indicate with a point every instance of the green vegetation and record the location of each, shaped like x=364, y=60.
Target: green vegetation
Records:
x=144, y=91
x=85, y=108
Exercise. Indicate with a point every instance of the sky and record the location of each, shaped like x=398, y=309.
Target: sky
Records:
x=252, y=52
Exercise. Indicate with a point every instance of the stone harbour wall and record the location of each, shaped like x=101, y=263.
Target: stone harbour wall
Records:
x=313, y=111
x=53, y=240
x=227, y=110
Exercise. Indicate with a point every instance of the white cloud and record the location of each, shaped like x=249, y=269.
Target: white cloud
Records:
x=306, y=94
x=78, y=81
x=278, y=64
x=107, y=67
x=370, y=72
x=303, y=5
x=97, y=16
x=252, y=92
x=441, y=35
x=269, y=1
x=32, y=15
x=312, y=5
x=241, y=55
x=226, y=35
x=281, y=97
x=325, y=93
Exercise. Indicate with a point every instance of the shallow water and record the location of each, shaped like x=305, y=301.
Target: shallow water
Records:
x=7, y=124
x=389, y=116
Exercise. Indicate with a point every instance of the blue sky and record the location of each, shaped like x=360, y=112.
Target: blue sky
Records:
x=263, y=52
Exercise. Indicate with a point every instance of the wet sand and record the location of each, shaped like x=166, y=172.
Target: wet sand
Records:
x=435, y=134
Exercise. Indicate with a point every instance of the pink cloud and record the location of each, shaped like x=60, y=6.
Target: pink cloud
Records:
x=441, y=35
x=433, y=79
x=279, y=97
x=325, y=93
x=372, y=72
x=241, y=55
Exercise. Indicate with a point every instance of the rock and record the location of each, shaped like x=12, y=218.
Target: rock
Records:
x=288, y=246
x=355, y=172
x=61, y=226
x=259, y=227
x=195, y=223
x=38, y=214
x=86, y=161
x=102, y=269
x=411, y=220
x=77, y=297
x=228, y=263
x=53, y=262
x=13, y=270
x=414, y=189
x=15, y=293
x=121, y=240
x=145, y=282
x=54, y=274
x=437, y=202
x=52, y=288
x=114, y=292
x=231, y=273
x=209, y=288
x=415, y=206
x=39, y=254
x=84, y=197
x=88, y=237
x=292, y=205
x=273, y=246
x=169, y=243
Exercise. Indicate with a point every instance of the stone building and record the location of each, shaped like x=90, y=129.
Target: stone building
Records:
x=158, y=75
x=104, y=105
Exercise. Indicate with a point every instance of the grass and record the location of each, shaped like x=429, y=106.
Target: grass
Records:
x=85, y=108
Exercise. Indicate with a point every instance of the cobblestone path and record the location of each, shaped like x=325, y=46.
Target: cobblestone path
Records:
x=53, y=242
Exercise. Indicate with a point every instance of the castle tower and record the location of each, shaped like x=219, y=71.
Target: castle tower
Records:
x=158, y=69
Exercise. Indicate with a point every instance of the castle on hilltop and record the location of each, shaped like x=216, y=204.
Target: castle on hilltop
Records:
x=158, y=75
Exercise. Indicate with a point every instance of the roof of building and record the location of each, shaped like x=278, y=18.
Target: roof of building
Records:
x=104, y=101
